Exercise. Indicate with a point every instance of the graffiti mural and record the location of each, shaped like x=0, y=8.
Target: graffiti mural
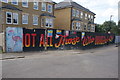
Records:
x=33, y=39
x=52, y=39
x=91, y=40
x=14, y=39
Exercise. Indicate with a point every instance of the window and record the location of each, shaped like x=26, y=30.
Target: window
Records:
x=89, y=27
x=5, y=1
x=73, y=25
x=77, y=13
x=35, y=20
x=49, y=22
x=25, y=3
x=8, y=17
x=86, y=16
x=73, y=12
x=15, y=18
x=25, y=19
x=50, y=8
x=43, y=6
x=35, y=5
x=89, y=16
x=81, y=14
x=93, y=28
x=92, y=18
x=42, y=22
x=77, y=25
x=15, y=2
x=85, y=26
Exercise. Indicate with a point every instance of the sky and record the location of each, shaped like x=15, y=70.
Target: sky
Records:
x=102, y=8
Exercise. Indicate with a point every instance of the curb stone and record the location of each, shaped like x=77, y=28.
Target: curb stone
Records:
x=8, y=58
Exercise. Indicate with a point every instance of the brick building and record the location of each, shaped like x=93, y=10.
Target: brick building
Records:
x=72, y=16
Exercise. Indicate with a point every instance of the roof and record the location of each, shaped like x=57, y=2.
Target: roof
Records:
x=64, y=4
x=47, y=14
x=50, y=1
x=10, y=7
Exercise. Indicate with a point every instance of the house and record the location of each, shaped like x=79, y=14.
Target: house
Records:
x=26, y=14
x=72, y=16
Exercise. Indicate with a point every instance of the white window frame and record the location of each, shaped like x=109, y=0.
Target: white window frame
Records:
x=25, y=5
x=35, y=20
x=14, y=17
x=4, y=1
x=43, y=5
x=81, y=14
x=73, y=25
x=86, y=15
x=73, y=12
x=23, y=15
x=77, y=13
x=50, y=10
x=49, y=21
x=7, y=17
x=35, y=5
x=77, y=25
x=42, y=22
x=13, y=3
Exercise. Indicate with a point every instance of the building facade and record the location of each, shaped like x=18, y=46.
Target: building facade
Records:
x=26, y=14
x=72, y=16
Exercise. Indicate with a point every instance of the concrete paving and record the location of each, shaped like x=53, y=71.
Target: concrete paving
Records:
x=94, y=63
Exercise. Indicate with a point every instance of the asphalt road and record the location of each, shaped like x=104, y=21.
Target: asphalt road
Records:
x=100, y=64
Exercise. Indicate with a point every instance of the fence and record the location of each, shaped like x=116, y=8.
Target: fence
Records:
x=52, y=39
x=117, y=39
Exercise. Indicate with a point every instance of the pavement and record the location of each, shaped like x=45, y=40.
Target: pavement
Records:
x=37, y=54
x=93, y=63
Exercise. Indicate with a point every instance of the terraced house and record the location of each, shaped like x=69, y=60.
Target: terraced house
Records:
x=72, y=16
x=27, y=14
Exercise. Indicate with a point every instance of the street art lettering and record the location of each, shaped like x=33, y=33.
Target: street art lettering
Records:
x=14, y=39
x=87, y=40
x=64, y=41
x=18, y=39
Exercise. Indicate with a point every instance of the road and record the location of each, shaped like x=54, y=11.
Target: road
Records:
x=101, y=63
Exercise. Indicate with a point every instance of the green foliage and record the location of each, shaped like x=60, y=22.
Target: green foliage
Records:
x=108, y=26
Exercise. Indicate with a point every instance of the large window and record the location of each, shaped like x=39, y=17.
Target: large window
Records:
x=86, y=16
x=50, y=8
x=35, y=5
x=8, y=17
x=15, y=18
x=73, y=25
x=25, y=19
x=15, y=2
x=73, y=12
x=5, y=1
x=49, y=22
x=77, y=13
x=89, y=16
x=25, y=3
x=35, y=20
x=43, y=6
x=81, y=14
x=77, y=25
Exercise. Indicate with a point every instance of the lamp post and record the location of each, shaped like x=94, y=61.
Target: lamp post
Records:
x=110, y=24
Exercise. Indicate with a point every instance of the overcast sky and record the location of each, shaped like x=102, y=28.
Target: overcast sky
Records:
x=102, y=8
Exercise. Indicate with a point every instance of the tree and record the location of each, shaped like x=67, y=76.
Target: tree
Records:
x=109, y=26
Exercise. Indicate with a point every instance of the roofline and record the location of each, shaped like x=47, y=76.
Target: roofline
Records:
x=70, y=6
